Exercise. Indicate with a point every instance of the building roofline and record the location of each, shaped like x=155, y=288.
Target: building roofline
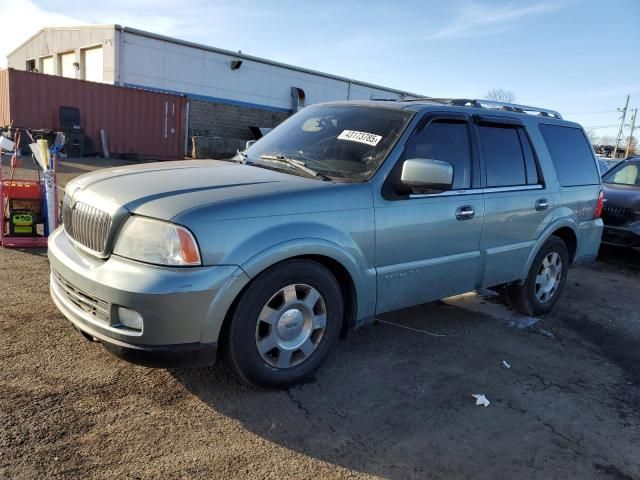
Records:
x=78, y=27
x=259, y=60
x=222, y=51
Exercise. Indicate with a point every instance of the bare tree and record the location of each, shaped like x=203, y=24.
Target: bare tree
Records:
x=501, y=95
x=591, y=133
x=607, y=140
x=633, y=150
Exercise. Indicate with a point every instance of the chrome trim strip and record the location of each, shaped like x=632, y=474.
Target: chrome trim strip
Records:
x=450, y=193
x=475, y=191
x=512, y=189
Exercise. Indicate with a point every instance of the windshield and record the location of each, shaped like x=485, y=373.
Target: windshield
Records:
x=626, y=174
x=338, y=141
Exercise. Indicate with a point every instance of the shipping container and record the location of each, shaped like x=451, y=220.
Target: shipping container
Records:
x=137, y=122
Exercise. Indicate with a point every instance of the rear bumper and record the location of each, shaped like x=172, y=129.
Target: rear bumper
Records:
x=621, y=236
x=589, y=237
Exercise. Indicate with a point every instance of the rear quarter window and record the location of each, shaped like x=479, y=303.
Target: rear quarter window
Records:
x=571, y=155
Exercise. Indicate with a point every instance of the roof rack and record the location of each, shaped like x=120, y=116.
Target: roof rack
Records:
x=492, y=104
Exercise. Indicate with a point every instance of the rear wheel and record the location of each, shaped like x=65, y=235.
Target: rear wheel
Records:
x=285, y=324
x=545, y=281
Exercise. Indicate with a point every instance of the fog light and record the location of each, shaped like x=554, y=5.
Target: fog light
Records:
x=130, y=319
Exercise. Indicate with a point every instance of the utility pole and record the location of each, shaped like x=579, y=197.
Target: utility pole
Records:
x=633, y=126
x=624, y=115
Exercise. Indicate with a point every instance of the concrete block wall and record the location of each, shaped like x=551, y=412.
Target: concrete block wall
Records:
x=218, y=130
x=229, y=120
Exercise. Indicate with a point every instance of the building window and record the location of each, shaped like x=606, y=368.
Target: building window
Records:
x=47, y=66
x=92, y=60
x=67, y=68
x=31, y=66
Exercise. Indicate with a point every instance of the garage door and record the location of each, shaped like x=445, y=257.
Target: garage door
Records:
x=93, y=65
x=66, y=64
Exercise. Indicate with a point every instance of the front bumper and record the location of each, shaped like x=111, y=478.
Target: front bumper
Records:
x=182, y=308
x=628, y=236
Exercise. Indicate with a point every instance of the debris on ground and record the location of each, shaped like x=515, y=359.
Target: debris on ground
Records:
x=410, y=328
x=481, y=399
x=546, y=333
x=505, y=364
x=523, y=322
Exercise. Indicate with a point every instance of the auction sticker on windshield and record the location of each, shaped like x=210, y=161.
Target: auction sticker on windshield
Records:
x=360, y=137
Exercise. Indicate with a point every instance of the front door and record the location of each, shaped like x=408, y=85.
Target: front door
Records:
x=428, y=243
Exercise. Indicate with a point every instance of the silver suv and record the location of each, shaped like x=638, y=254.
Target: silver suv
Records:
x=343, y=212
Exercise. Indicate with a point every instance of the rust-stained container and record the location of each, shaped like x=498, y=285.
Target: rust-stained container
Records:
x=138, y=122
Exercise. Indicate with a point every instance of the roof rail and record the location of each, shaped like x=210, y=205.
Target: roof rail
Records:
x=492, y=104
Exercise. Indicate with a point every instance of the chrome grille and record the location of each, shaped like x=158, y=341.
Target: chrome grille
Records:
x=87, y=225
x=618, y=215
x=92, y=305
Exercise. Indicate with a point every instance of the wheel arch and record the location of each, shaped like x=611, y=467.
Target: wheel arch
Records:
x=566, y=230
x=357, y=288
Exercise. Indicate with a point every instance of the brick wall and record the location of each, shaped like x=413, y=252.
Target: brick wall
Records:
x=229, y=121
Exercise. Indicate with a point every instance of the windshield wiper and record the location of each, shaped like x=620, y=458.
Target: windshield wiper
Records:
x=297, y=164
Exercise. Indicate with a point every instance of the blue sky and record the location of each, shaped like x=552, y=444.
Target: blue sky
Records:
x=580, y=57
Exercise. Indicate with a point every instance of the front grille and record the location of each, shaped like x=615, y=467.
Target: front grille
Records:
x=87, y=225
x=92, y=305
x=619, y=216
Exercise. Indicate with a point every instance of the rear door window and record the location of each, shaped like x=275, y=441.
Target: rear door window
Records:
x=503, y=156
x=571, y=155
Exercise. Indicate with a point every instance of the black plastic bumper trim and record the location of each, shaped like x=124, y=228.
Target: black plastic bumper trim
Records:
x=166, y=356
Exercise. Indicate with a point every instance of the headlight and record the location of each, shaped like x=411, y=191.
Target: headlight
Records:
x=154, y=241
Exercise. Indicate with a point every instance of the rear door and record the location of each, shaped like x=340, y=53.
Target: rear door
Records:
x=517, y=201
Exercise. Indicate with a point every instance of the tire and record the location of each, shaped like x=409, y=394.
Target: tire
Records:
x=276, y=337
x=539, y=294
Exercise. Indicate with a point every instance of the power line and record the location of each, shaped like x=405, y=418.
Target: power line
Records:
x=590, y=113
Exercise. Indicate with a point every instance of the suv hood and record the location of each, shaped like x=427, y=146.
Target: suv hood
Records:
x=163, y=190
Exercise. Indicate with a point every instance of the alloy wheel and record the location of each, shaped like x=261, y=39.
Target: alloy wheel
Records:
x=291, y=325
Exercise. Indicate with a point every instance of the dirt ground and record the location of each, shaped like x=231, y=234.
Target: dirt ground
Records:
x=390, y=402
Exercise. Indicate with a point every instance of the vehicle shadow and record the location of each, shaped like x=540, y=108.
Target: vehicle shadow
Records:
x=623, y=257
x=390, y=401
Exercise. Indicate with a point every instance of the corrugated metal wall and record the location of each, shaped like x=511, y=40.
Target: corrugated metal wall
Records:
x=141, y=122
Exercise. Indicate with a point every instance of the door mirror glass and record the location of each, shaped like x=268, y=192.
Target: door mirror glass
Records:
x=427, y=174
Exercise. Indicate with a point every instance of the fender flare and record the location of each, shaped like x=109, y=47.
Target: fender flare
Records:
x=544, y=236
x=363, y=281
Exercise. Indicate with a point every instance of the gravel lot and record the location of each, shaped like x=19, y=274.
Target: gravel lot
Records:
x=390, y=402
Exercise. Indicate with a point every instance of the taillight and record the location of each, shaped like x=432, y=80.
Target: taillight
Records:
x=599, y=205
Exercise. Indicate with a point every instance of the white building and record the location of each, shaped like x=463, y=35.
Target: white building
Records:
x=252, y=90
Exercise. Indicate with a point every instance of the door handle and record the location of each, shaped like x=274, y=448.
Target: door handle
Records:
x=465, y=212
x=542, y=204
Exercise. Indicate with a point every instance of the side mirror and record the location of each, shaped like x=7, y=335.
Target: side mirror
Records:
x=427, y=174
x=249, y=143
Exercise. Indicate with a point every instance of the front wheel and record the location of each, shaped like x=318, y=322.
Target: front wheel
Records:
x=545, y=281
x=285, y=324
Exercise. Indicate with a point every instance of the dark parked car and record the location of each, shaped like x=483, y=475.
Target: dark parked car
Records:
x=621, y=214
